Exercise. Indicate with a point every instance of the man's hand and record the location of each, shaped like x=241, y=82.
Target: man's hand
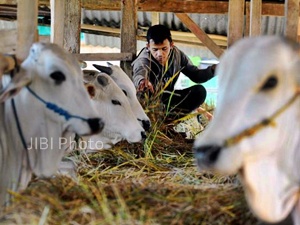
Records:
x=145, y=85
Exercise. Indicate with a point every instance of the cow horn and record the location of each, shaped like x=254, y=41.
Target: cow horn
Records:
x=104, y=69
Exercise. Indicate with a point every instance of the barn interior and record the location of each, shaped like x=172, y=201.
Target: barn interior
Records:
x=134, y=184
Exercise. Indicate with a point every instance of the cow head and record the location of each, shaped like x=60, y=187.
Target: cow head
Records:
x=124, y=82
x=112, y=105
x=256, y=126
x=56, y=77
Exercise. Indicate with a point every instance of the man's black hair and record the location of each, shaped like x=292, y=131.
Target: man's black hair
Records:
x=159, y=33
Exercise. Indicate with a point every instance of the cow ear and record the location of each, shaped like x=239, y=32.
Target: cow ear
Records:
x=82, y=64
x=89, y=75
x=15, y=85
x=104, y=69
x=91, y=90
x=102, y=80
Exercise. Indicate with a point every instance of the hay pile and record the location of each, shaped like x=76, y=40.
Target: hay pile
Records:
x=142, y=184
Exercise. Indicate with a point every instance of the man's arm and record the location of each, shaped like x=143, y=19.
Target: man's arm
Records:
x=194, y=73
x=140, y=75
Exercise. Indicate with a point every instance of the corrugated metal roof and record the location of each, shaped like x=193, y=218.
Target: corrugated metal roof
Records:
x=210, y=23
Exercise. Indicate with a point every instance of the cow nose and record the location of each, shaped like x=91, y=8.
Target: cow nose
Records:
x=143, y=134
x=207, y=153
x=96, y=125
x=146, y=124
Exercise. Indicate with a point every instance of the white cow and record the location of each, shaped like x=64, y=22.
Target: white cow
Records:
x=124, y=82
x=16, y=84
x=44, y=113
x=255, y=131
x=113, y=106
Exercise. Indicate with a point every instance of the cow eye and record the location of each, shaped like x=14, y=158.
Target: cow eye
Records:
x=124, y=92
x=270, y=83
x=116, y=102
x=58, y=77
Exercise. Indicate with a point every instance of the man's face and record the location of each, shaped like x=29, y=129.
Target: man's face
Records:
x=160, y=51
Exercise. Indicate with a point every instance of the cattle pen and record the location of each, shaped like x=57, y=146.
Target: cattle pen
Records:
x=155, y=182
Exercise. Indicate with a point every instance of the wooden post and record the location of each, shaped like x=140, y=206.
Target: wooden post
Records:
x=27, y=18
x=247, y=24
x=291, y=19
x=57, y=25
x=128, y=32
x=235, y=21
x=154, y=18
x=298, y=29
x=66, y=24
x=200, y=34
x=255, y=17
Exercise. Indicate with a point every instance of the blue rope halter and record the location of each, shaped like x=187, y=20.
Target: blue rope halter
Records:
x=53, y=107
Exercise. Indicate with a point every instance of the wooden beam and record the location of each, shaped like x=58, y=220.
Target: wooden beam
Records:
x=72, y=22
x=100, y=30
x=255, y=17
x=272, y=9
x=291, y=19
x=128, y=32
x=104, y=56
x=193, y=27
x=235, y=21
x=15, y=2
x=114, y=5
x=191, y=6
x=179, y=6
x=27, y=34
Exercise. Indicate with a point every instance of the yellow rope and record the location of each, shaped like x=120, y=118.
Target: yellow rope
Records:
x=264, y=123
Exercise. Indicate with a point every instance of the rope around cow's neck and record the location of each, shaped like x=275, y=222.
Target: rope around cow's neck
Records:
x=264, y=123
x=53, y=107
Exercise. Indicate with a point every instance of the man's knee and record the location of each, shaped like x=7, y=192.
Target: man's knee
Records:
x=199, y=93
